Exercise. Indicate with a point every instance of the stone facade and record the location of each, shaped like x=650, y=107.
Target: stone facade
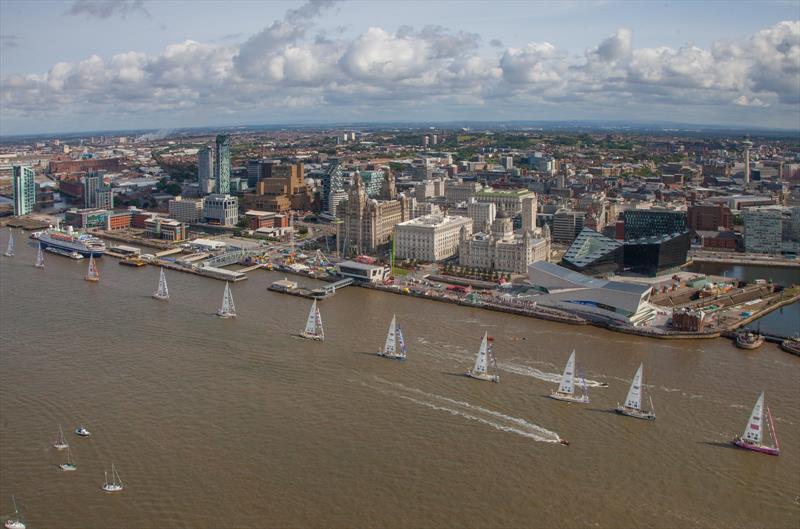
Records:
x=497, y=248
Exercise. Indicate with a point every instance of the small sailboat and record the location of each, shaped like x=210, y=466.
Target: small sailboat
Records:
x=752, y=438
x=485, y=364
x=314, y=330
x=395, y=346
x=39, y=257
x=83, y=432
x=633, y=402
x=60, y=442
x=566, y=389
x=115, y=485
x=70, y=465
x=228, y=309
x=10, y=247
x=92, y=275
x=162, y=292
x=15, y=521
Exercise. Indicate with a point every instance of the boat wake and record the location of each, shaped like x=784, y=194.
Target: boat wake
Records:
x=495, y=419
x=527, y=371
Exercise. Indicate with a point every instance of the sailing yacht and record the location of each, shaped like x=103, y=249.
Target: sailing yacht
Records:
x=752, y=437
x=39, y=257
x=14, y=522
x=162, y=292
x=60, y=442
x=92, y=275
x=633, y=402
x=314, y=330
x=395, y=346
x=228, y=309
x=485, y=364
x=10, y=247
x=70, y=464
x=566, y=389
x=115, y=485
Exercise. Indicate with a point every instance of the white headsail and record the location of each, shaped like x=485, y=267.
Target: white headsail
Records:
x=401, y=343
x=483, y=353
x=39, y=257
x=391, y=338
x=634, y=398
x=752, y=432
x=311, y=322
x=10, y=247
x=228, y=309
x=568, y=378
x=162, y=292
x=320, y=330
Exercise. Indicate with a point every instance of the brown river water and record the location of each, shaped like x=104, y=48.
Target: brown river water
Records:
x=238, y=423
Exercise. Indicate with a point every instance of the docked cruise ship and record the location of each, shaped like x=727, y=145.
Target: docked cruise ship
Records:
x=71, y=241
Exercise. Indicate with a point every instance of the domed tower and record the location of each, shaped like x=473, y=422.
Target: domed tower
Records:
x=503, y=226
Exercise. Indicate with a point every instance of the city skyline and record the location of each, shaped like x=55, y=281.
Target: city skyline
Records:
x=332, y=61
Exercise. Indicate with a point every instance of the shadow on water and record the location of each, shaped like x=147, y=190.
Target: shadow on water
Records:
x=451, y=374
x=602, y=410
x=718, y=444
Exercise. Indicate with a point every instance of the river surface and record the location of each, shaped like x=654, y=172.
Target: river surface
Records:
x=782, y=322
x=237, y=423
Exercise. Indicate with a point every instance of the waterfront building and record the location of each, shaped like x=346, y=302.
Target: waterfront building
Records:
x=495, y=247
x=657, y=255
x=614, y=301
x=567, y=224
x=23, y=189
x=87, y=218
x=221, y=209
x=481, y=213
x=430, y=238
x=166, y=229
x=363, y=272
x=222, y=164
x=91, y=184
x=205, y=170
x=644, y=223
x=594, y=254
x=186, y=210
x=104, y=198
x=509, y=200
x=367, y=224
x=772, y=230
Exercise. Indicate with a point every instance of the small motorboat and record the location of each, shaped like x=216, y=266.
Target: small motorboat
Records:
x=603, y=384
x=564, y=442
x=83, y=432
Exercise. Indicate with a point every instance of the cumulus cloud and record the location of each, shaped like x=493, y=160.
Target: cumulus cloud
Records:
x=107, y=8
x=287, y=67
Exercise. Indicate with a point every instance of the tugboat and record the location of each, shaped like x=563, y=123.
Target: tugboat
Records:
x=749, y=340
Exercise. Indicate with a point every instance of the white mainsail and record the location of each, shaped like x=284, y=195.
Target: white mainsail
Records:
x=755, y=426
x=568, y=378
x=228, y=309
x=10, y=247
x=391, y=338
x=483, y=353
x=39, y=257
x=401, y=343
x=320, y=330
x=634, y=398
x=92, y=274
x=311, y=322
x=162, y=292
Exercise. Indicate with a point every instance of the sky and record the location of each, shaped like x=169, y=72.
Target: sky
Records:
x=70, y=66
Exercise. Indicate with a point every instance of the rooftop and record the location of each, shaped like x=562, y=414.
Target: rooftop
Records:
x=434, y=221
